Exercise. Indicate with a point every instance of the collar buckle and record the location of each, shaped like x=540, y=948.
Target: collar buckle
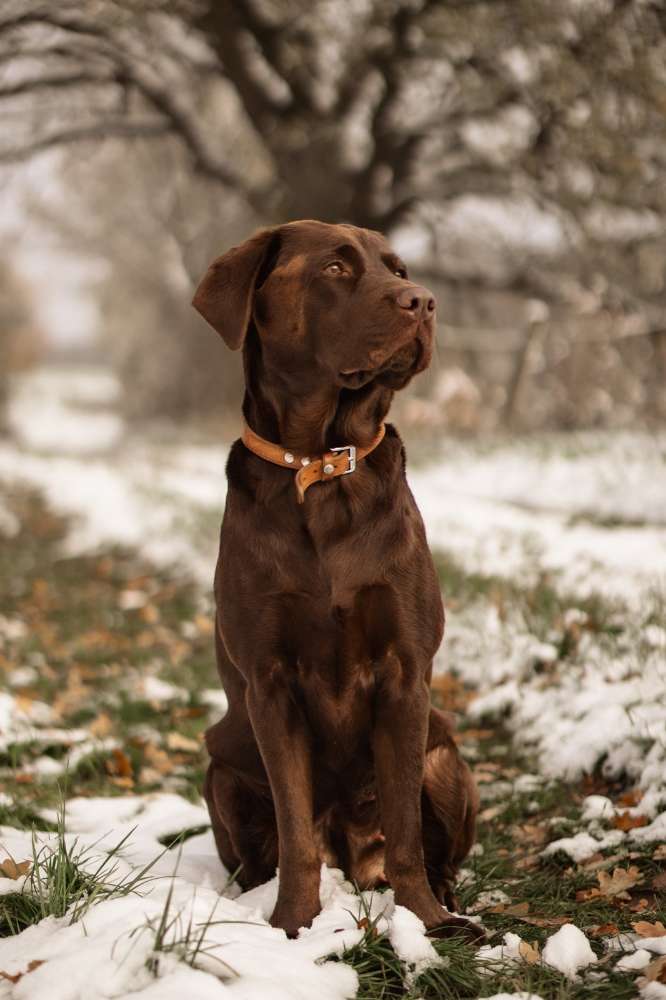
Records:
x=351, y=457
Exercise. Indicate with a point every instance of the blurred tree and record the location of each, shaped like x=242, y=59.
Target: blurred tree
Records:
x=546, y=116
x=20, y=343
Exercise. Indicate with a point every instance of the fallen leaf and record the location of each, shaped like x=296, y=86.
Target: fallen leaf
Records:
x=10, y=869
x=150, y=614
x=122, y=782
x=639, y=905
x=484, y=776
x=175, y=741
x=529, y=861
x=34, y=964
x=515, y=910
x=630, y=798
x=546, y=921
x=615, y=886
x=529, y=833
x=476, y=734
x=453, y=694
x=119, y=764
x=625, y=821
x=584, y=895
x=158, y=759
x=491, y=812
x=364, y=925
x=603, y=930
x=659, y=882
x=660, y=853
x=646, y=929
x=101, y=726
x=529, y=952
x=655, y=972
x=204, y=624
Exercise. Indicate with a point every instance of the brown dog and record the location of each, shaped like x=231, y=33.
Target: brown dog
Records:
x=328, y=610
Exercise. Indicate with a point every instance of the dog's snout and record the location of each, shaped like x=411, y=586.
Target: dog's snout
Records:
x=416, y=300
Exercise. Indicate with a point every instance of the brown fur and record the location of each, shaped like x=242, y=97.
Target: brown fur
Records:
x=329, y=613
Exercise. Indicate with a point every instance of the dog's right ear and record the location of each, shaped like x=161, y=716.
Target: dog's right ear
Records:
x=224, y=295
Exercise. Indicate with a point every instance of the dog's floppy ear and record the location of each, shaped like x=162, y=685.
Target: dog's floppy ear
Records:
x=224, y=295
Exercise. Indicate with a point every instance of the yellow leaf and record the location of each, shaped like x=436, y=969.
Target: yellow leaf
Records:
x=616, y=885
x=646, y=929
x=101, y=726
x=529, y=952
x=10, y=869
x=177, y=742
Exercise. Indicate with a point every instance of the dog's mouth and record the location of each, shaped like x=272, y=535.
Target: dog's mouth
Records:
x=394, y=372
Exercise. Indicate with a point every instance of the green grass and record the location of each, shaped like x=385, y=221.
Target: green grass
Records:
x=65, y=879
x=89, y=656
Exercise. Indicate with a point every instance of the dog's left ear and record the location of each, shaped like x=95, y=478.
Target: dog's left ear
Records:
x=224, y=296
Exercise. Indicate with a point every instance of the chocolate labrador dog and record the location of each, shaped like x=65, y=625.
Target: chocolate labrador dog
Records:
x=328, y=607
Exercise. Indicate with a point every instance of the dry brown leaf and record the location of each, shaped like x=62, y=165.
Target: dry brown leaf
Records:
x=646, y=929
x=101, y=726
x=615, y=886
x=639, y=905
x=630, y=798
x=10, y=869
x=584, y=895
x=150, y=614
x=491, y=813
x=452, y=692
x=529, y=952
x=546, y=921
x=158, y=759
x=175, y=741
x=529, y=833
x=625, y=821
x=515, y=910
x=655, y=972
x=529, y=861
x=204, y=624
x=660, y=853
x=122, y=782
x=15, y=977
x=119, y=764
x=603, y=930
x=659, y=882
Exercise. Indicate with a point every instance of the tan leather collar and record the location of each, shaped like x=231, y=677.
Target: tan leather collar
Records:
x=333, y=463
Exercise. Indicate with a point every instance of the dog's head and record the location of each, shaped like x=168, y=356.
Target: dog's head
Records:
x=332, y=301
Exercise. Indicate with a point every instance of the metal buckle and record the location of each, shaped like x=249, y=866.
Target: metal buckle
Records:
x=351, y=457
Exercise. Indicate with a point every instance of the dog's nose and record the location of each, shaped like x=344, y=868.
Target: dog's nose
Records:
x=416, y=300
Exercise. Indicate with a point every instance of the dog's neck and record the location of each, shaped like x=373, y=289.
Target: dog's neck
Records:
x=309, y=419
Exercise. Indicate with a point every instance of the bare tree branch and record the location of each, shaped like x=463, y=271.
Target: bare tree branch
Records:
x=119, y=129
x=53, y=82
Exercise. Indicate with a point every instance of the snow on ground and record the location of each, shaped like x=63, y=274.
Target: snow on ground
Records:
x=114, y=950
x=589, y=511
x=589, y=508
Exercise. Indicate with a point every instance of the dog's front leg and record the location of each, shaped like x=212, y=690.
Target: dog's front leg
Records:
x=283, y=738
x=399, y=743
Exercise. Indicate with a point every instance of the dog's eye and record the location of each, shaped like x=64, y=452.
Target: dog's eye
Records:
x=400, y=272
x=335, y=267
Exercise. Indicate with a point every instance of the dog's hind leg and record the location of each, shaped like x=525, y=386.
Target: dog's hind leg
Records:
x=241, y=812
x=450, y=804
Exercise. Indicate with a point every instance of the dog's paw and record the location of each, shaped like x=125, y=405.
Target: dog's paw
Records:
x=292, y=916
